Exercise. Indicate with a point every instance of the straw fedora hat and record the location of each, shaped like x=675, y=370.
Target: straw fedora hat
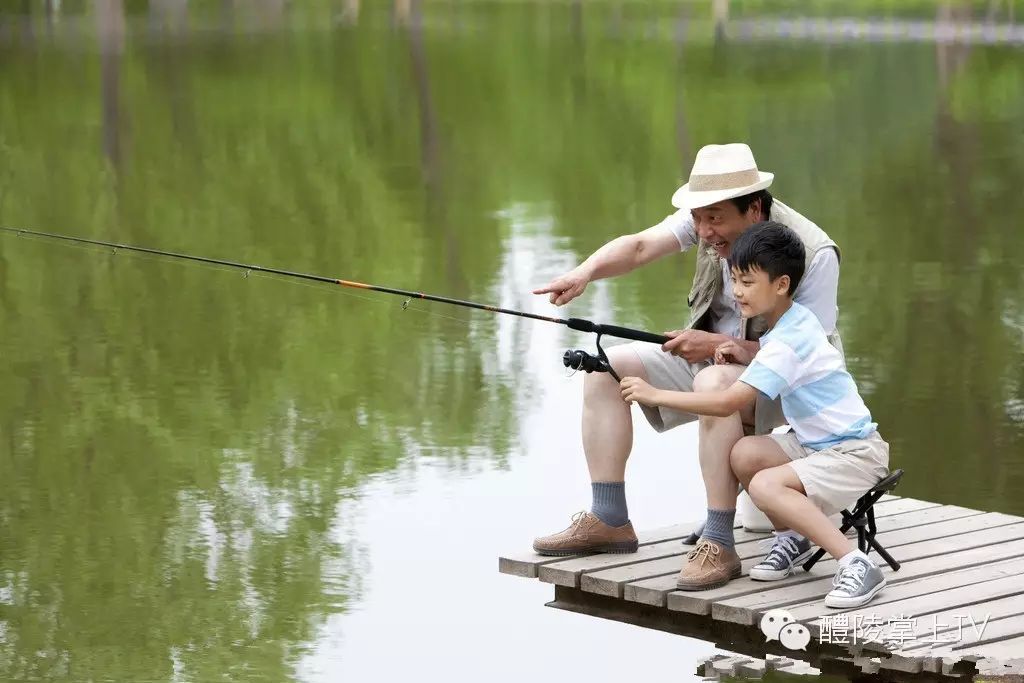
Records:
x=721, y=172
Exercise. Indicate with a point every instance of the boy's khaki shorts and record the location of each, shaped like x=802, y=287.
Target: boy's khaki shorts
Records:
x=834, y=478
x=670, y=372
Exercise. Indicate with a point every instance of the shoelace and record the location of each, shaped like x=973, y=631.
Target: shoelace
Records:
x=786, y=544
x=705, y=551
x=781, y=548
x=578, y=519
x=851, y=578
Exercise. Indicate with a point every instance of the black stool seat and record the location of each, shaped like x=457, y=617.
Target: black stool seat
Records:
x=863, y=519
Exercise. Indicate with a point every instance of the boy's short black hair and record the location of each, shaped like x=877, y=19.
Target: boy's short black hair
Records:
x=772, y=247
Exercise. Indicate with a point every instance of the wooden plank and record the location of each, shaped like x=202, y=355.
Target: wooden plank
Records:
x=1005, y=608
x=613, y=581
x=940, y=548
x=929, y=515
x=746, y=609
x=569, y=572
x=526, y=564
x=654, y=591
x=896, y=506
x=960, y=599
x=609, y=576
x=918, y=520
x=966, y=646
x=915, y=587
x=995, y=631
x=926, y=626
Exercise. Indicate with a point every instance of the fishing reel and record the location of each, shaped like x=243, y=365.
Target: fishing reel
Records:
x=578, y=359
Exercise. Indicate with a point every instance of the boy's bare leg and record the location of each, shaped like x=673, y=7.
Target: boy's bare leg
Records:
x=780, y=495
x=750, y=455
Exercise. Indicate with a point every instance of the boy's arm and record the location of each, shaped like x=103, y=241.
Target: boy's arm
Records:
x=713, y=403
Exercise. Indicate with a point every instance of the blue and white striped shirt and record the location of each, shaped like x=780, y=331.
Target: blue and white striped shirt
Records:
x=819, y=397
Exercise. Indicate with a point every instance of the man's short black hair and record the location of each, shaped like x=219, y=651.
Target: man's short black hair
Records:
x=772, y=247
x=743, y=202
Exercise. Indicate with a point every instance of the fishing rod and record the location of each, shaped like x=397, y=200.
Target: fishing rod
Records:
x=573, y=358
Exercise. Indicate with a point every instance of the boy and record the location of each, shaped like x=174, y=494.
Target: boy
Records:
x=833, y=453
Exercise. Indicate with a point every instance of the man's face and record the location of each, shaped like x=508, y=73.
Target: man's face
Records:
x=755, y=292
x=720, y=224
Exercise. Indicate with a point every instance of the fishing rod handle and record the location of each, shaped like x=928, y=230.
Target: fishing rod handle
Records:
x=615, y=331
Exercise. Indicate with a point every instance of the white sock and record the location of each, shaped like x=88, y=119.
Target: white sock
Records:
x=845, y=559
x=789, y=532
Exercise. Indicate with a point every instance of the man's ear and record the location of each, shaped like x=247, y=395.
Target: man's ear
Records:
x=754, y=212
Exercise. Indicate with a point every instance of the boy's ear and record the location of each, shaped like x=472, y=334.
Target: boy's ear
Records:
x=782, y=285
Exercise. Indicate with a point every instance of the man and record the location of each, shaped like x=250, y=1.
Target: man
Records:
x=726, y=194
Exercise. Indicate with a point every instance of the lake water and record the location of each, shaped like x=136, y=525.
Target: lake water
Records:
x=207, y=476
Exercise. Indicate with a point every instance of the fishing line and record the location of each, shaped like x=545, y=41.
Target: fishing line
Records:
x=215, y=267
x=573, y=358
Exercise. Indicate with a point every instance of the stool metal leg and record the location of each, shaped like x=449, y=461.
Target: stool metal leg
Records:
x=884, y=553
x=819, y=553
x=863, y=518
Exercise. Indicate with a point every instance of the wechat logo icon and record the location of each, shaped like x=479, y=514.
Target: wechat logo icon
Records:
x=778, y=624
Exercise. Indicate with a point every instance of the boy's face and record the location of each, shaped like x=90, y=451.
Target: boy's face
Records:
x=756, y=293
x=721, y=224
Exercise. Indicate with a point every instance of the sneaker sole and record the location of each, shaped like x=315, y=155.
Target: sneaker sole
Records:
x=610, y=548
x=779, y=574
x=737, y=573
x=843, y=603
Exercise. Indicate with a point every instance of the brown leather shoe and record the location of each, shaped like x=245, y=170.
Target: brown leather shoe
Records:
x=588, y=534
x=709, y=565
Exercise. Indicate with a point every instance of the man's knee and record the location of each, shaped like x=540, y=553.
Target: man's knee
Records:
x=716, y=377
x=745, y=459
x=625, y=362
x=720, y=378
x=750, y=455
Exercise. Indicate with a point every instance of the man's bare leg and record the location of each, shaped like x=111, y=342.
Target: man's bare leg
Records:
x=714, y=561
x=607, y=440
x=608, y=436
x=607, y=419
x=718, y=435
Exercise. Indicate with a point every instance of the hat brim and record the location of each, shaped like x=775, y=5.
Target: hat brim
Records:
x=685, y=199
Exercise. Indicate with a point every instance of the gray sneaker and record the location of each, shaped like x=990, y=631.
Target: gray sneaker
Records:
x=855, y=584
x=778, y=563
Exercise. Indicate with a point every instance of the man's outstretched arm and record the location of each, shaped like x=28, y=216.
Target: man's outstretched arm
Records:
x=617, y=257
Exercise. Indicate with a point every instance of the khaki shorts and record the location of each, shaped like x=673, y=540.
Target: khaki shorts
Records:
x=670, y=372
x=834, y=478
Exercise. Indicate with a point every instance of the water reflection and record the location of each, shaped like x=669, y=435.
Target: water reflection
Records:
x=215, y=477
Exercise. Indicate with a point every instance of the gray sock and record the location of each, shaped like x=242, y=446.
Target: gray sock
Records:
x=609, y=504
x=719, y=527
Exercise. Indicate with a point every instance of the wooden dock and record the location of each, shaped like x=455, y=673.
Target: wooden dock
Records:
x=954, y=610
